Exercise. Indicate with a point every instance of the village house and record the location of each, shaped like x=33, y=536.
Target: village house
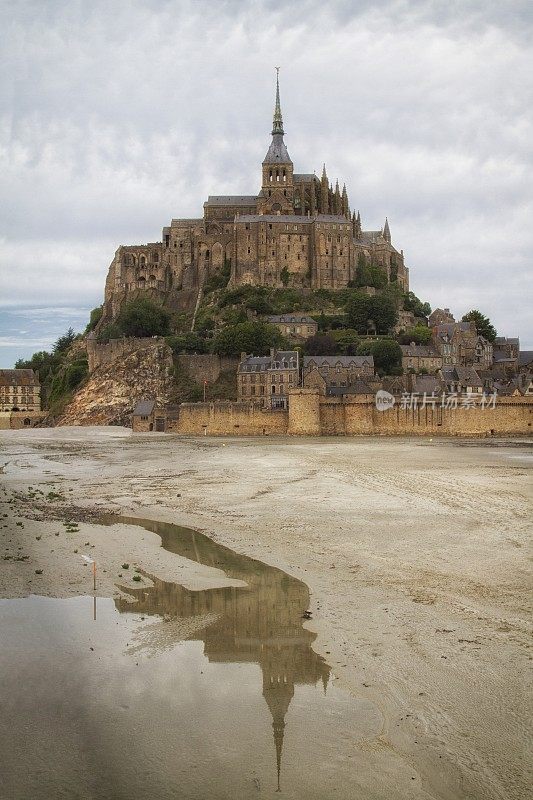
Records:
x=266, y=380
x=462, y=380
x=440, y=316
x=456, y=342
x=334, y=372
x=483, y=353
x=416, y=357
x=295, y=326
x=20, y=390
x=505, y=358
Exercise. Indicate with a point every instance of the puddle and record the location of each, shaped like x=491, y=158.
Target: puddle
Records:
x=214, y=694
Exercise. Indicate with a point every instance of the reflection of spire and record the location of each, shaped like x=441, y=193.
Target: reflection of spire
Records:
x=277, y=126
x=325, y=676
x=278, y=741
x=278, y=695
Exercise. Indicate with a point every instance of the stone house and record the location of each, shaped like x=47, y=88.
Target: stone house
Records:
x=337, y=371
x=505, y=358
x=440, y=316
x=420, y=356
x=143, y=417
x=483, y=353
x=295, y=326
x=462, y=380
x=266, y=380
x=456, y=343
x=20, y=390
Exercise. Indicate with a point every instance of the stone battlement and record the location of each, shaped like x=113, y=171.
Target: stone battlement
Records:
x=313, y=414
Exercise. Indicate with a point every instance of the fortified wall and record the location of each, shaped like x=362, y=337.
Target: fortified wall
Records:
x=200, y=367
x=105, y=353
x=312, y=414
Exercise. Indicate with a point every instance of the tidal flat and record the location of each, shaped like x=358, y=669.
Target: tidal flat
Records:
x=308, y=618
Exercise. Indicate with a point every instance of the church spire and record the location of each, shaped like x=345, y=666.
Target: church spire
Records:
x=386, y=231
x=277, y=125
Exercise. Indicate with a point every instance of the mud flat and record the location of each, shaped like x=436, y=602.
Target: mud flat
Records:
x=415, y=554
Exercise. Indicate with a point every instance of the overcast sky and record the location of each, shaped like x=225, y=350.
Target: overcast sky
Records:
x=117, y=116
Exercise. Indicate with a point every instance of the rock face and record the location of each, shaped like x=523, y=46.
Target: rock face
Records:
x=114, y=387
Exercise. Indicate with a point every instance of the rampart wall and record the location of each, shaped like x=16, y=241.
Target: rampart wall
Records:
x=312, y=414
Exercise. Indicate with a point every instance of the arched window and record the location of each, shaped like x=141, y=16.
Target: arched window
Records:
x=27, y=421
x=142, y=261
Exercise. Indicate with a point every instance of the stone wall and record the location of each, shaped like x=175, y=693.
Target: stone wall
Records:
x=18, y=420
x=237, y=419
x=304, y=412
x=207, y=367
x=313, y=414
x=102, y=354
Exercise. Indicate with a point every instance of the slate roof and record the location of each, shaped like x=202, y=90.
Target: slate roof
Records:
x=144, y=408
x=430, y=384
x=18, y=377
x=419, y=351
x=465, y=375
x=231, y=200
x=263, y=363
x=332, y=361
x=294, y=219
x=525, y=357
x=449, y=328
x=357, y=387
x=286, y=356
x=304, y=177
x=277, y=152
x=254, y=364
x=291, y=318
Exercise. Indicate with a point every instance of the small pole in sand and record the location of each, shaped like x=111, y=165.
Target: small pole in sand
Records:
x=90, y=560
x=205, y=389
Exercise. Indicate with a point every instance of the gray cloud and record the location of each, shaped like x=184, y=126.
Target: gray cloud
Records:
x=115, y=118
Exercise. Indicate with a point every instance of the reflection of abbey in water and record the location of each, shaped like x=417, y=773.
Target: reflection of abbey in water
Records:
x=261, y=624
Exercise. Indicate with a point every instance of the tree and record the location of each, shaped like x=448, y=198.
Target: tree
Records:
x=247, y=337
x=94, y=319
x=412, y=303
x=320, y=345
x=108, y=332
x=420, y=334
x=187, y=343
x=484, y=327
x=64, y=342
x=347, y=341
x=387, y=355
x=382, y=311
x=378, y=277
x=142, y=317
x=357, y=311
x=362, y=309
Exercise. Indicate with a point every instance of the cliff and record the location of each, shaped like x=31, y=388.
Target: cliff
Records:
x=115, y=385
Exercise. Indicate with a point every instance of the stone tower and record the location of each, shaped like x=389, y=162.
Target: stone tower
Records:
x=277, y=187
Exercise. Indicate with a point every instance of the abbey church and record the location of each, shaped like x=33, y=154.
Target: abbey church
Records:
x=297, y=231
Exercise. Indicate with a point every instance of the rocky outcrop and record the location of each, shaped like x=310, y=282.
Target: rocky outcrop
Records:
x=113, y=388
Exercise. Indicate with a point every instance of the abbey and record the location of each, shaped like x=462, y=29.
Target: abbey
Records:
x=296, y=231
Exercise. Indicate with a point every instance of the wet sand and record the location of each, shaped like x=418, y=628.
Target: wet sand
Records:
x=415, y=553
